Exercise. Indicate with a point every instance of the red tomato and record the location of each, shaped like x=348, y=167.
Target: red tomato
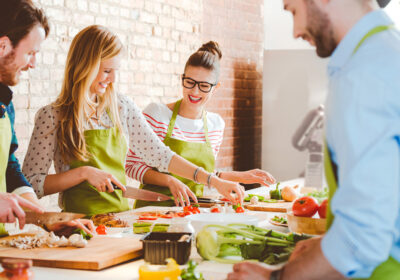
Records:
x=195, y=210
x=187, y=208
x=305, y=207
x=215, y=210
x=239, y=209
x=166, y=216
x=150, y=218
x=181, y=214
x=225, y=199
x=187, y=213
x=322, y=209
x=101, y=229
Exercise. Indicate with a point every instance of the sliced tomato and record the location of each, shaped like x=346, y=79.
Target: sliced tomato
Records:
x=187, y=213
x=195, y=210
x=149, y=218
x=101, y=229
x=181, y=214
x=225, y=199
x=215, y=210
x=167, y=216
x=187, y=208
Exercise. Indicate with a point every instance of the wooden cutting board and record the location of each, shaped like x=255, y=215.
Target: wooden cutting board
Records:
x=270, y=207
x=99, y=253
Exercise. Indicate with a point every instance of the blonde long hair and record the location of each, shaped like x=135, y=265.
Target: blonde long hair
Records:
x=89, y=47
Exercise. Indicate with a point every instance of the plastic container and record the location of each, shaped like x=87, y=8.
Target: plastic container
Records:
x=180, y=225
x=159, y=246
x=16, y=269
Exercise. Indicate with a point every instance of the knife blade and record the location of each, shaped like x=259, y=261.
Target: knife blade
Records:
x=136, y=193
x=50, y=217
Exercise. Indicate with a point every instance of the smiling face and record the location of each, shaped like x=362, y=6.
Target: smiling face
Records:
x=106, y=75
x=194, y=99
x=22, y=57
x=313, y=25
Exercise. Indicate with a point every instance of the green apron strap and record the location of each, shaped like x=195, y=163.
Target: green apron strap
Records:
x=173, y=119
x=390, y=269
x=205, y=124
x=5, y=142
x=372, y=32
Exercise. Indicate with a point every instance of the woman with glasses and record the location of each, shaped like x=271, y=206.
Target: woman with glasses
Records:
x=87, y=131
x=190, y=131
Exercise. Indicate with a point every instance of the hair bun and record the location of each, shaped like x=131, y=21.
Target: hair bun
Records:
x=211, y=47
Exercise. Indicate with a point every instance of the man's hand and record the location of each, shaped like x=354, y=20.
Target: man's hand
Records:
x=11, y=208
x=303, y=246
x=67, y=228
x=250, y=270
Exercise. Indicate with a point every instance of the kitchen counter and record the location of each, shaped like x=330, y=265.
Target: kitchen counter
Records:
x=129, y=270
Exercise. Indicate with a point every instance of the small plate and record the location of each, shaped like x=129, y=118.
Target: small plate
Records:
x=277, y=223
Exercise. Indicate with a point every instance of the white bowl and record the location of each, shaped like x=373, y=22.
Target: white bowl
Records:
x=198, y=221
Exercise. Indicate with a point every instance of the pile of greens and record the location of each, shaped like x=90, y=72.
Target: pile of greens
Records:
x=216, y=242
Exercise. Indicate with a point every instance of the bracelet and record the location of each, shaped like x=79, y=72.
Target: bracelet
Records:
x=276, y=274
x=195, y=174
x=209, y=180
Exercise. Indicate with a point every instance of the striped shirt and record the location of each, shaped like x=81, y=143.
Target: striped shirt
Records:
x=190, y=130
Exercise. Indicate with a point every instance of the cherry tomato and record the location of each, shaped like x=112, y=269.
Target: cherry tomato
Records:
x=187, y=208
x=305, y=207
x=215, y=210
x=322, y=209
x=150, y=218
x=195, y=209
x=101, y=229
x=187, y=213
x=239, y=209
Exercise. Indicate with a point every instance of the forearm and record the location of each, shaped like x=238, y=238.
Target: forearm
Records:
x=32, y=198
x=181, y=167
x=154, y=177
x=233, y=176
x=311, y=265
x=60, y=182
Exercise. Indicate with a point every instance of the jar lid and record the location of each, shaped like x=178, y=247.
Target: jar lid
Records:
x=9, y=263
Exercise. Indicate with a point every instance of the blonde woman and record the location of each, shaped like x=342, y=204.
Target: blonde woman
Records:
x=189, y=130
x=86, y=132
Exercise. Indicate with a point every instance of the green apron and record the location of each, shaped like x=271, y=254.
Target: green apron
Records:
x=390, y=269
x=108, y=149
x=5, y=142
x=200, y=154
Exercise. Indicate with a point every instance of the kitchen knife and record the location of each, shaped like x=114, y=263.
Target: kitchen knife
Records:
x=49, y=218
x=136, y=193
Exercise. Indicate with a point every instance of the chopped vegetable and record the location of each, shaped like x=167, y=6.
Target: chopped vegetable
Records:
x=215, y=209
x=149, y=218
x=276, y=194
x=85, y=235
x=281, y=220
x=190, y=273
x=271, y=201
x=238, y=208
x=248, y=198
x=101, y=229
x=215, y=242
x=139, y=228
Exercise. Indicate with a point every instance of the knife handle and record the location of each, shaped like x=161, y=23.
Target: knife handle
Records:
x=115, y=186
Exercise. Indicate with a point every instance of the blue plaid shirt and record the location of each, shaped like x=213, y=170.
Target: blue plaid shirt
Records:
x=14, y=176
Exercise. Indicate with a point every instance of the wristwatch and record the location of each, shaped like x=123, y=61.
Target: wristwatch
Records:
x=276, y=274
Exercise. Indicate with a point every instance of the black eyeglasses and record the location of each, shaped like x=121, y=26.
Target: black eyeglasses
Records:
x=203, y=86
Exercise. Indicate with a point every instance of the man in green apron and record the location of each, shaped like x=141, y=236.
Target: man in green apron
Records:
x=23, y=28
x=363, y=145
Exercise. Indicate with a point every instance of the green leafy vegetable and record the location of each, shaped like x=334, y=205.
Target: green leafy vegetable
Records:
x=190, y=273
x=216, y=242
x=319, y=195
x=248, y=198
x=281, y=220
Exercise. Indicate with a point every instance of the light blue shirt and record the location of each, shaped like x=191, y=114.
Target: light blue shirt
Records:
x=363, y=134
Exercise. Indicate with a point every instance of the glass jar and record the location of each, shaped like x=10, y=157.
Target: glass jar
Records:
x=181, y=225
x=16, y=269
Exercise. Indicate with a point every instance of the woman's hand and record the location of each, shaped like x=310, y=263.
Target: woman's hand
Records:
x=180, y=191
x=101, y=180
x=255, y=176
x=68, y=228
x=231, y=190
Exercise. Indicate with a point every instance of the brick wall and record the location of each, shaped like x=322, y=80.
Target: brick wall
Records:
x=159, y=36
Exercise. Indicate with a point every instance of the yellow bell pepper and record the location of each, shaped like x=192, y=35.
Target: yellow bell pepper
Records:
x=170, y=272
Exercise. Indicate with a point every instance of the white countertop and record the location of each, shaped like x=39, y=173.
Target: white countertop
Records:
x=129, y=270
